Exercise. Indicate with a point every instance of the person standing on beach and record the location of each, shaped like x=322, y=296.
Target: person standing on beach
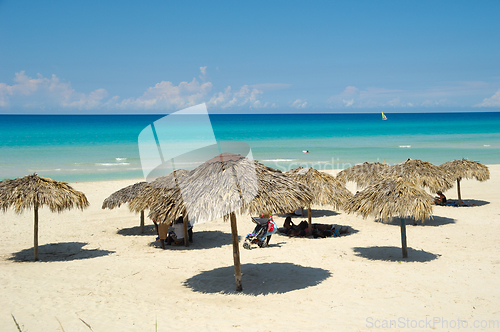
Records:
x=163, y=233
x=177, y=235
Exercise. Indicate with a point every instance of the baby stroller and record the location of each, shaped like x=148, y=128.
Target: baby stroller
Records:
x=261, y=233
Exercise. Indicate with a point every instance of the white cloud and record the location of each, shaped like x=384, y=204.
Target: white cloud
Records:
x=453, y=94
x=299, y=103
x=5, y=92
x=166, y=95
x=345, y=98
x=245, y=96
x=203, y=75
x=493, y=101
x=44, y=92
x=348, y=103
x=41, y=92
x=221, y=98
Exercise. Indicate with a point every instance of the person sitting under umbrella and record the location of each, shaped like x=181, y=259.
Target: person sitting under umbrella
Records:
x=440, y=199
x=318, y=230
x=176, y=235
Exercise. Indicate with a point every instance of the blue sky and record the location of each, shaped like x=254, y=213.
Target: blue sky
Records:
x=252, y=56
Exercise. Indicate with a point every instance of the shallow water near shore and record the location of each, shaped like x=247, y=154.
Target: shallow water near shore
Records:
x=104, y=147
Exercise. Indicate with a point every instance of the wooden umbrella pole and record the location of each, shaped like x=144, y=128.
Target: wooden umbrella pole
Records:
x=35, y=244
x=403, y=237
x=185, y=223
x=236, y=253
x=234, y=232
x=142, y=221
x=184, y=216
x=459, y=195
x=309, y=219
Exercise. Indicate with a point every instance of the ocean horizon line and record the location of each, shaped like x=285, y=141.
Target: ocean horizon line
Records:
x=212, y=112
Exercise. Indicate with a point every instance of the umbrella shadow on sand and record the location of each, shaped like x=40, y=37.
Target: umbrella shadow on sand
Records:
x=351, y=232
x=316, y=213
x=393, y=254
x=435, y=221
x=60, y=252
x=148, y=230
x=468, y=202
x=258, y=279
x=202, y=240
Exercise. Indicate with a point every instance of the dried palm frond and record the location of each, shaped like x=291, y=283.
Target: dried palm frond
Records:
x=362, y=174
x=225, y=185
x=123, y=196
x=230, y=183
x=34, y=191
x=155, y=190
x=465, y=169
x=392, y=197
x=421, y=173
x=326, y=189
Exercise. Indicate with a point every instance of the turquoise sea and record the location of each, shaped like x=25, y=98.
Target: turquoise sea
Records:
x=103, y=147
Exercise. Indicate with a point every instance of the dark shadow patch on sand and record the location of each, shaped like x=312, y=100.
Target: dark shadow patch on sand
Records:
x=393, y=254
x=315, y=214
x=320, y=213
x=434, y=222
x=135, y=231
x=59, y=252
x=351, y=232
x=258, y=279
x=468, y=203
x=201, y=240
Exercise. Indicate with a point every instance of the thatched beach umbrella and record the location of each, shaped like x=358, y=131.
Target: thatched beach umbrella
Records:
x=227, y=184
x=123, y=196
x=466, y=169
x=421, y=173
x=34, y=191
x=152, y=193
x=325, y=188
x=392, y=197
x=362, y=174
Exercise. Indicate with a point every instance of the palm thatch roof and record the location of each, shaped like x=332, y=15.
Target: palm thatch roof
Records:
x=34, y=191
x=362, y=174
x=466, y=169
x=229, y=183
x=421, y=173
x=326, y=189
x=153, y=192
x=123, y=196
x=126, y=195
x=391, y=197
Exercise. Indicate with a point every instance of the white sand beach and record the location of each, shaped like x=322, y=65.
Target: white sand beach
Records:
x=96, y=268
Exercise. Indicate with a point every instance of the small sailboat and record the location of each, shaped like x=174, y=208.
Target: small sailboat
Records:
x=383, y=116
